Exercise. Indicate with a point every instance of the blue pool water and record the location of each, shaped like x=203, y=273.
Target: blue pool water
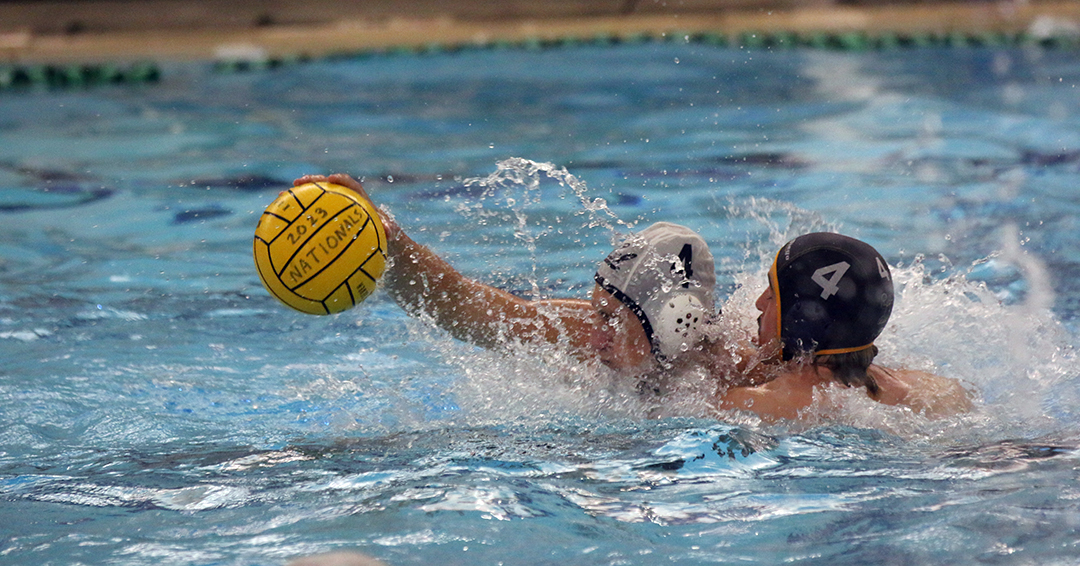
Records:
x=157, y=406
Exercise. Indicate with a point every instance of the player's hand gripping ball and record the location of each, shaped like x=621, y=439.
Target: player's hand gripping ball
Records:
x=320, y=248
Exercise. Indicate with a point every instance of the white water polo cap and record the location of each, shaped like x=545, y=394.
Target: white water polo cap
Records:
x=833, y=293
x=665, y=276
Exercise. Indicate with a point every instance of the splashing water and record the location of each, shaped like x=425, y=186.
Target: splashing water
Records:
x=1016, y=359
x=515, y=193
x=942, y=322
x=511, y=174
x=161, y=408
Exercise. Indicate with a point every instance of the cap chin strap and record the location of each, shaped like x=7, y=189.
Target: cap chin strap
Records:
x=843, y=350
x=676, y=328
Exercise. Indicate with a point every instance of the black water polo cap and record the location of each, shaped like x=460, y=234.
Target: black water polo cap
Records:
x=834, y=294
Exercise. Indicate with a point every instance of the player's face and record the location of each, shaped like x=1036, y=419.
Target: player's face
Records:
x=768, y=337
x=617, y=335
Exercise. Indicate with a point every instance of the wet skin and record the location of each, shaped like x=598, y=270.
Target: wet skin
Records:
x=616, y=334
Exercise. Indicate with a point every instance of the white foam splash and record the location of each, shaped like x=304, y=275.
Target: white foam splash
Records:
x=1016, y=360
x=524, y=175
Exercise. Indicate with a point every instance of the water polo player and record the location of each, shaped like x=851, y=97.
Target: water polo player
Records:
x=829, y=297
x=653, y=297
x=832, y=296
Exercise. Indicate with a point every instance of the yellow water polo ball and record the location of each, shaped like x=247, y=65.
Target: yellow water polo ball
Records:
x=320, y=248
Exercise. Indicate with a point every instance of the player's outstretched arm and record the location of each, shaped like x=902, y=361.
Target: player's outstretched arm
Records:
x=422, y=282
x=931, y=395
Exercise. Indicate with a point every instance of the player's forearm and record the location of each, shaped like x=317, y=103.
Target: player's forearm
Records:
x=421, y=281
x=417, y=278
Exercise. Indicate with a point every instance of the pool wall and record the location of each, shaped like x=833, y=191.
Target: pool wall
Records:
x=43, y=32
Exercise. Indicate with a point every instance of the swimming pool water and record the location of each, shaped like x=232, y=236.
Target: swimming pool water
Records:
x=158, y=406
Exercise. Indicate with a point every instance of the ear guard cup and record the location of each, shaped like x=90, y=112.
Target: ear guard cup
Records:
x=678, y=323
